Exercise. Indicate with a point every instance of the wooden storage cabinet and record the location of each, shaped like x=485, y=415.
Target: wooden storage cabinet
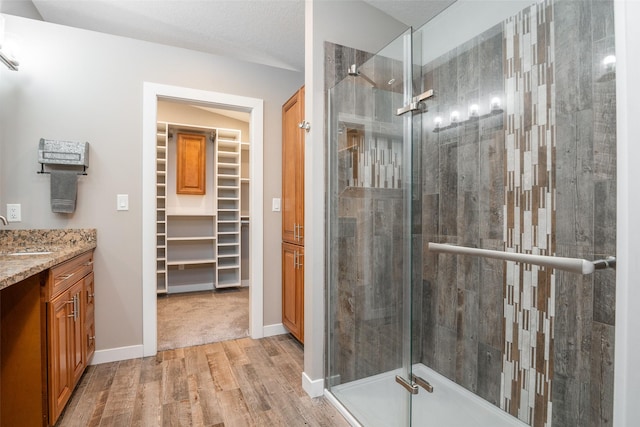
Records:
x=293, y=289
x=69, y=305
x=293, y=170
x=293, y=215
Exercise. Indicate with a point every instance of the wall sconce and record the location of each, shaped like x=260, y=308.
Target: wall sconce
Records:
x=474, y=110
x=495, y=104
x=609, y=63
x=473, y=115
x=6, y=52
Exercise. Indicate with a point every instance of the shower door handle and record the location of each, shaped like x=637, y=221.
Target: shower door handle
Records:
x=414, y=104
x=411, y=388
x=573, y=265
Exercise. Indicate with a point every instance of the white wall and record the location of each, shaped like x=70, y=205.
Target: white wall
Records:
x=627, y=349
x=80, y=85
x=354, y=24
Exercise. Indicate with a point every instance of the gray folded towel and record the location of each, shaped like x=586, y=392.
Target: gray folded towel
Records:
x=64, y=189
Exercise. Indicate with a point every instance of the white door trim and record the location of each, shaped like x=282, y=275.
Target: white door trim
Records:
x=151, y=93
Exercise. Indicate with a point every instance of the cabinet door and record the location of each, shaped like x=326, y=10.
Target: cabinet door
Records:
x=191, y=164
x=76, y=338
x=293, y=289
x=88, y=310
x=293, y=169
x=60, y=331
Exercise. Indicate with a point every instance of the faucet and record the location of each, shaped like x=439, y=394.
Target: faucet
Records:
x=4, y=220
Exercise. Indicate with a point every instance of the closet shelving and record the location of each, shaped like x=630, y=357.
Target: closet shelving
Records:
x=244, y=213
x=199, y=249
x=191, y=254
x=161, y=207
x=228, y=163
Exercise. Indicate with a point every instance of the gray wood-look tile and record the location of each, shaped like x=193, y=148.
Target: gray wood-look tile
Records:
x=243, y=382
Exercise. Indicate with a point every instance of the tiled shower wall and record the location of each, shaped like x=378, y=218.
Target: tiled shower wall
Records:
x=542, y=166
x=539, y=178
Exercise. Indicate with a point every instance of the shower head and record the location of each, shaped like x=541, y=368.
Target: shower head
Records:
x=353, y=71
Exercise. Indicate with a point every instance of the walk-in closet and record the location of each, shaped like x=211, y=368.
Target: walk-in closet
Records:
x=202, y=222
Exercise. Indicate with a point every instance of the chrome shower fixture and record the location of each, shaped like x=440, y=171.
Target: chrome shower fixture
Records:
x=353, y=71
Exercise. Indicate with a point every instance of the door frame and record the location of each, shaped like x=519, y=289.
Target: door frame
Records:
x=255, y=107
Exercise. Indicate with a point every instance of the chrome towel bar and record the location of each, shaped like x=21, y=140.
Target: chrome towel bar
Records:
x=574, y=265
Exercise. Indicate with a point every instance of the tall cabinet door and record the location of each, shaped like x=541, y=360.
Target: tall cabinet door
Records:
x=293, y=289
x=77, y=346
x=293, y=169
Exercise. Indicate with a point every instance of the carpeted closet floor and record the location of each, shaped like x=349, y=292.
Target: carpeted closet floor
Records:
x=196, y=318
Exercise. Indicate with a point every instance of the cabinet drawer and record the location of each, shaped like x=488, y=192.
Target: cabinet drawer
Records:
x=69, y=272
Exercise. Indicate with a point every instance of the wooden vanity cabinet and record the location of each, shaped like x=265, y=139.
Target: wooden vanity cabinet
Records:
x=69, y=304
x=22, y=357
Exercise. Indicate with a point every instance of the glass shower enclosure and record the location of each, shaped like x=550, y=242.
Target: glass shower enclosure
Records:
x=484, y=136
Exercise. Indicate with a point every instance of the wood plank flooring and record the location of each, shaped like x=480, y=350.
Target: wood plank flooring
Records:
x=242, y=382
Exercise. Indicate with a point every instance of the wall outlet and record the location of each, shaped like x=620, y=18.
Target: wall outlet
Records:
x=13, y=212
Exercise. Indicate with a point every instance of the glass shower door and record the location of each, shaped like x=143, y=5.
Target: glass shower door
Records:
x=369, y=229
x=519, y=159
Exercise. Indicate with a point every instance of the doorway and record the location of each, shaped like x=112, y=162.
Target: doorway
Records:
x=202, y=238
x=254, y=107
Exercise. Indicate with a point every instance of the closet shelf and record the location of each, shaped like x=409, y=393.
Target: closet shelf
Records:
x=192, y=262
x=191, y=239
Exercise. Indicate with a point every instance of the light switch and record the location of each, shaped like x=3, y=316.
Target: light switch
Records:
x=123, y=202
x=275, y=204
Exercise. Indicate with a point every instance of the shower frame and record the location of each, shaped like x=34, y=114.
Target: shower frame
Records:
x=604, y=283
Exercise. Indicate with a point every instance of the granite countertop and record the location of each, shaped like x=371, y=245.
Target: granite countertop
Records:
x=62, y=245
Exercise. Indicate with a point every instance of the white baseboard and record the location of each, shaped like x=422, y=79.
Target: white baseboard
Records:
x=275, y=329
x=117, y=354
x=136, y=351
x=314, y=388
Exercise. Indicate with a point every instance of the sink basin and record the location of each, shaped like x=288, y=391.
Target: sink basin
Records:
x=30, y=253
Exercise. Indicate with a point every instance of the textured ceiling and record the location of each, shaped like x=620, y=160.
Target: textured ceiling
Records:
x=269, y=32
x=264, y=31
x=411, y=12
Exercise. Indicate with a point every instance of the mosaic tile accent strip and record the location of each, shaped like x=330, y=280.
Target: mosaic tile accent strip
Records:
x=373, y=162
x=529, y=213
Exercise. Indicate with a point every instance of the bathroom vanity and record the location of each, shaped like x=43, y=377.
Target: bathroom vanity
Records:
x=47, y=333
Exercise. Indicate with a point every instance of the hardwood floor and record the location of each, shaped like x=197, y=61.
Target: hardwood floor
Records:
x=242, y=382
